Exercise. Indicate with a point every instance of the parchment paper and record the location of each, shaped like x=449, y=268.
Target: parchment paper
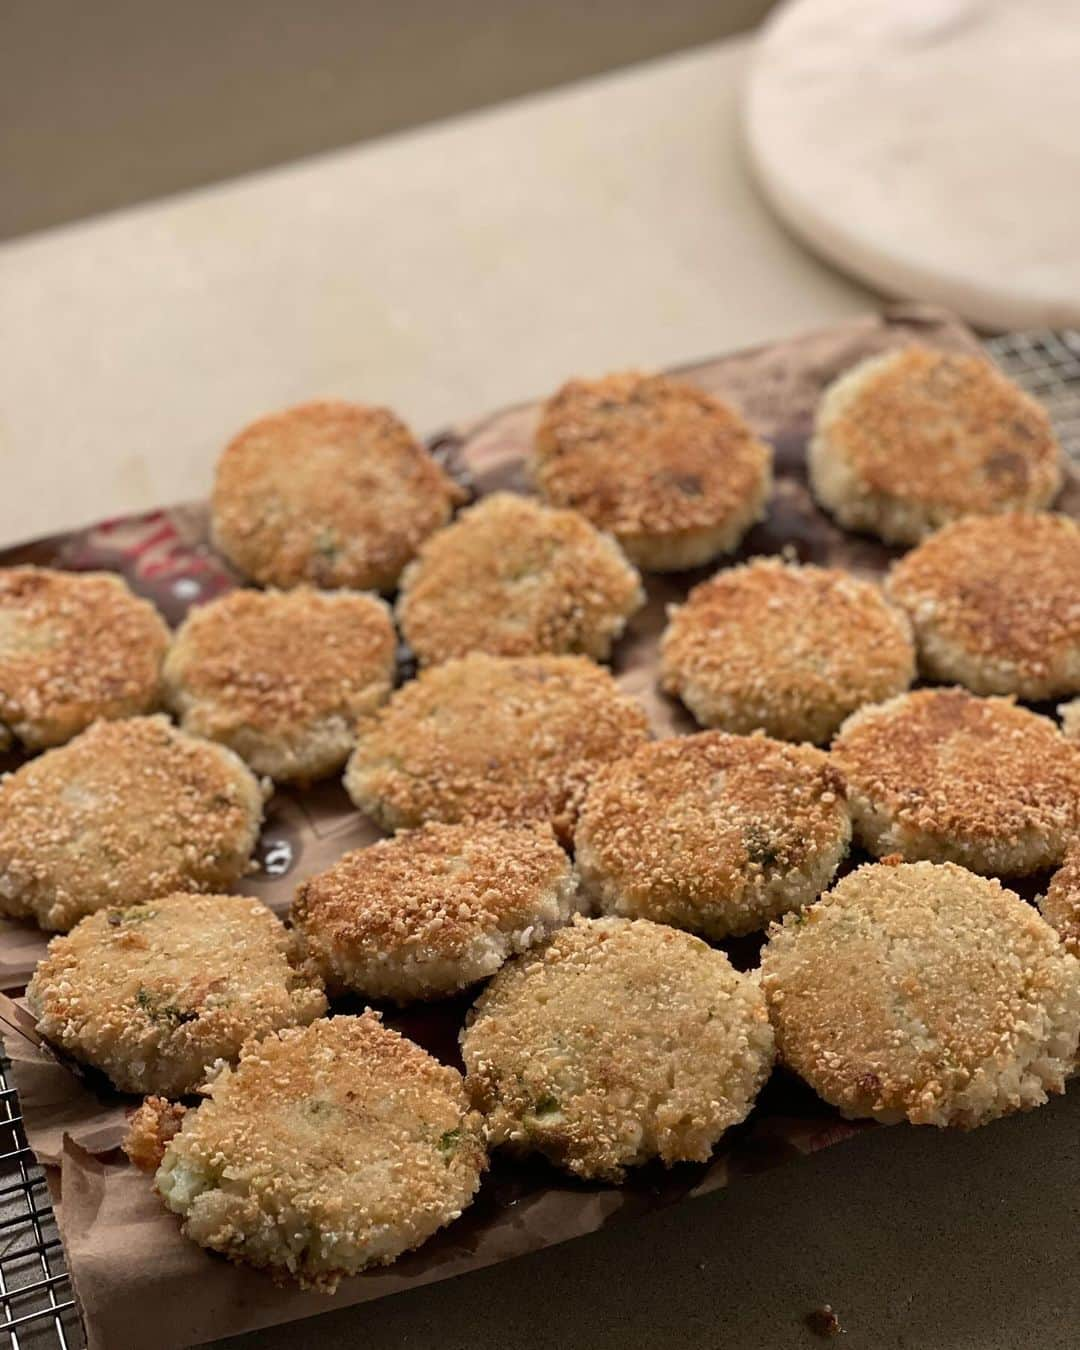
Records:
x=139, y=1283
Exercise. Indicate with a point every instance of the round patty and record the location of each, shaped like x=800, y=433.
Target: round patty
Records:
x=1061, y=904
x=785, y=649
x=674, y=474
x=493, y=738
x=714, y=833
x=154, y=994
x=1070, y=719
x=327, y=1149
x=74, y=647
x=995, y=604
x=941, y=775
x=909, y=440
x=127, y=810
x=512, y=578
x=924, y=993
x=281, y=677
x=433, y=910
x=336, y=494
x=619, y=1041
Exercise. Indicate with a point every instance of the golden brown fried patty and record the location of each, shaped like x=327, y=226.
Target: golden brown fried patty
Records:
x=336, y=494
x=676, y=475
x=909, y=440
x=714, y=833
x=1061, y=904
x=942, y=775
x=785, y=649
x=995, y=603
x=512, y=578
x=73, y=647
x=435, y=909
x=154, y=994
x=923, y=992
x=282, y=676
x=126, y=812
x=619, y=1041
x=326, y=1150
x=493, y=738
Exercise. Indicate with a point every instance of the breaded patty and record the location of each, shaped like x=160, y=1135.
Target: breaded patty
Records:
x=336, y=494
x=126, y=812
x=327, y=1149
x=512, y=578
x=785, y=649
x=433, y=910
x=995, y=604
x=1061, y=904
x=926, y=993
x=909, y=440
x=620, y=1041
x=153, y=995
x=493, y=738
x=941, y=775
x=281, y=677
x=674, y=474
x=714, y=833
x=74, y=647
x=1070, y=719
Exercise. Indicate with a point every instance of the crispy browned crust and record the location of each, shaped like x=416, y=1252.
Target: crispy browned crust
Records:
x=790, y=649
x=74, y=647
x=998, y=598
x=948, y=430
x=151, y=1127
x=336, y=494
x=713, y=832
x=511, y=577
x=647, y=455
x=489, y=737
x=131, y=809
x=1061, y=904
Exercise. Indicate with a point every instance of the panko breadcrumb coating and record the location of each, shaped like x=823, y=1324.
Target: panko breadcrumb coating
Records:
x=909, y=440
x=281, y=677
x=326, y=1150
x=493, y=738
x=433, y=910
x=74, y=647
x=944, y=776
x=153, y=995
x=620, y=1041
x=127, y=811
x=714, y=833
x=1061, y=904
x=995, y=603
x=335, y=494
x=923, y=992
x=1070, y=719
x=786, y=649
x=512, y=578
x=674, y=474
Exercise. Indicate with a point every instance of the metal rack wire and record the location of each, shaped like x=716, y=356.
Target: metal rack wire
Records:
x=37, y=1305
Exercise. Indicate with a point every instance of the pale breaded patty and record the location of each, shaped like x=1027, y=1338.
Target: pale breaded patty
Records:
x=1061, y=904
x=512, y=578
x=675, y=475
x=493, y=738
x=907, y=441
x=923, y=992
x=714, y=833
x=790, y=650
x=1070, y=719
x=433, y=910
x=995, y=604
x=126, y=812
x=326, y=1150
x=619, y=1041
x=941, y=775
x=74, y=647
x=281, y=677
x=154, y=994
x=335, y=494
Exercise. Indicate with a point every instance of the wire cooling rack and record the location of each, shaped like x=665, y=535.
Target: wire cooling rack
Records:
x=37, y=1306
